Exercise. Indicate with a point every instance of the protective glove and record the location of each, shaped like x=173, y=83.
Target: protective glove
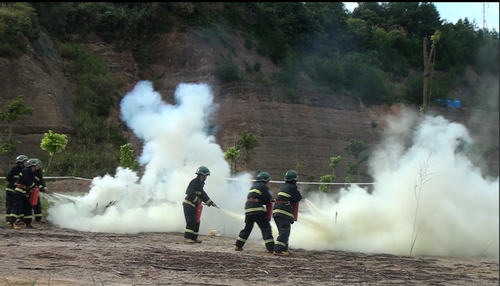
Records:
x=213, y=205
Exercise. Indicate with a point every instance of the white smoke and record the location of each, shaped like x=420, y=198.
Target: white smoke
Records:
x=453, y=211
x=175, y=145
x=428, y=199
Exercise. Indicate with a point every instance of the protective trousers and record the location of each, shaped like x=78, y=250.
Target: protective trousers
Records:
x=22, y=207
x=9, y=204
x=37, y=210
x=265, y=228
x=192, y=227
x=284, y=227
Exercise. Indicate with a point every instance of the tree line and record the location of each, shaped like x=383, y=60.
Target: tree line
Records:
x=367, y=53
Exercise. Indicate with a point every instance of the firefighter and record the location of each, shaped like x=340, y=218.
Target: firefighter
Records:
x=194, y=196
x=22, y=206
x=12, y=177
x=40, y=182
x=257, y=197
x=283, y=213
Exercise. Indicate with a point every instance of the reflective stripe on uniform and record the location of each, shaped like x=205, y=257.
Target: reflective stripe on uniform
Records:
x=20, y=190
x=255, y=191
x=275, y=211
x=242, y=239
x=191, y=231
x=189, y=203
x=257, y=209
x=284, y=194
x=280, y=243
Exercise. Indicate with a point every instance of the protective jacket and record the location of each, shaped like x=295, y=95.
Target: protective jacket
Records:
x=257, y=197
x=195, y=193
x=287, y=195
x=12, y=177
x=39, y=181
x=26, y=181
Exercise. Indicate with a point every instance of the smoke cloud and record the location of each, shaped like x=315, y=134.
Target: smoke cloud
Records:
x=428, y=199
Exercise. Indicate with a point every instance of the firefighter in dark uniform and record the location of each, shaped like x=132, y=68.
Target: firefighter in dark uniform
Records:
x=40, y=182
x=283, y=212
x=12, y=177
x=194, y=196
x=25, y=183
x=257, y=197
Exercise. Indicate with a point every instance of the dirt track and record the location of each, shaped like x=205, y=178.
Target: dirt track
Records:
x=71, y=257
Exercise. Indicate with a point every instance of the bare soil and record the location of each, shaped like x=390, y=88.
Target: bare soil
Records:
x=57, y=257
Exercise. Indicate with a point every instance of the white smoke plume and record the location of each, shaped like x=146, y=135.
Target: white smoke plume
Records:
x=453, y=211
x=428, y=198
x=176, y=143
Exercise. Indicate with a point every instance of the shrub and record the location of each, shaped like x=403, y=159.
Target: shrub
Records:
x=248, y=67
x=17, y=26
x=256, y=66
x=227, y=71
x=249, y=41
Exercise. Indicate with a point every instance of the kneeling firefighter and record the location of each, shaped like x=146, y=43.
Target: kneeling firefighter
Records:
x=195, y=194
x=283, y=212
x=257, y=197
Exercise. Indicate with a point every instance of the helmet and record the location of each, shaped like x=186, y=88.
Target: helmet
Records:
x=39, y=163
x=263, y=176
x=21, y=158
x=32, y=162
x=291, y=175
x=202, y=170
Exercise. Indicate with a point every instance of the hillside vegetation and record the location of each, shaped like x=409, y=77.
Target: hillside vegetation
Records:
x=374, y=53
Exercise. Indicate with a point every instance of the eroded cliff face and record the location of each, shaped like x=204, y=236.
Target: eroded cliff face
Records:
x=306, y=127
x=38, y=75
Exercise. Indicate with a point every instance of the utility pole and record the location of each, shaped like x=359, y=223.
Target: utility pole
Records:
x=484, y=10
x=429, y=60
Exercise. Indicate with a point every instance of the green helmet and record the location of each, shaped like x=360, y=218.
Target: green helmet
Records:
x=264, y=176
x=32, y=162
x=39, y=163
x=291, y=175
x=21, y=158
x=202, y=170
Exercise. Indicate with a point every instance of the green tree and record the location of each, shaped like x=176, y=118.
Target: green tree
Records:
x=329, y=178
x=247, y=143
x=354, y=148
x=127, y=157
x=12, y=112
x=53, y=143
x=232, y=154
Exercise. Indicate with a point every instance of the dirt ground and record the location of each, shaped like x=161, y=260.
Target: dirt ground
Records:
x=58, y=257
